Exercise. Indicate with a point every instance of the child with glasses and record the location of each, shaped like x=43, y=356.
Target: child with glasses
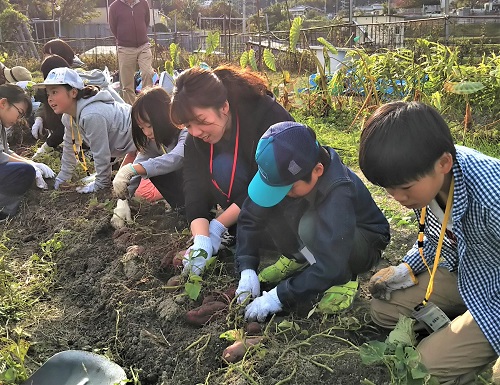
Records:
x=17, y=174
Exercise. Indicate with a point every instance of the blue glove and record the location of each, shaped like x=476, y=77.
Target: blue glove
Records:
x=249, y=285
x=197, y=256
x=261, y=307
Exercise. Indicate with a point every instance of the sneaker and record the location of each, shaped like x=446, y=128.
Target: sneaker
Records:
x=280, y=270
x=338, y=298
x=227, y=240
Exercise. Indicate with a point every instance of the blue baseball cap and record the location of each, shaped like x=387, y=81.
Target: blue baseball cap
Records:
x=287, y=152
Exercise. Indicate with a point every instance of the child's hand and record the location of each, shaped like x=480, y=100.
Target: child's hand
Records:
x=197, y=256
x=249, y=285
x=121, y=214
x=216, y=229
x=122, y=180
x=391, y=278
x=263, y=306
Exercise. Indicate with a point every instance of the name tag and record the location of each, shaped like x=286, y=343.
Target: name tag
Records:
x=431, y=316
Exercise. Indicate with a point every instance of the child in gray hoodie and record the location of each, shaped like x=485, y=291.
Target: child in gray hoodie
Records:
x=92, y=116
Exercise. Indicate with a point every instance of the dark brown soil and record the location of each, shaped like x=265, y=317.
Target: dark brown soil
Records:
x=117, y=303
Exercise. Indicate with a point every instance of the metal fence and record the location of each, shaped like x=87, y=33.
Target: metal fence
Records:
x=371, y=36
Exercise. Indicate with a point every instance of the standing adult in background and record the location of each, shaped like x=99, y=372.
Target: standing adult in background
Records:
x=129, y=22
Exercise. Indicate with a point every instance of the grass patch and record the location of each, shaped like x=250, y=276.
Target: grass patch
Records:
x=23, y=285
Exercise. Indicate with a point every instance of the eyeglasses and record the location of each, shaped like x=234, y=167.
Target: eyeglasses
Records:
x=21, y=113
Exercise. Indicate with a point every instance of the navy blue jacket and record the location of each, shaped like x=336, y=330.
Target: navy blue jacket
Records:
x=324, y=221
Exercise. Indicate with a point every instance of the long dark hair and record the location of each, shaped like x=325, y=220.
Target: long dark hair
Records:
x=15, y=94
x=152, y=106
x=61, y=48
x=201, y=88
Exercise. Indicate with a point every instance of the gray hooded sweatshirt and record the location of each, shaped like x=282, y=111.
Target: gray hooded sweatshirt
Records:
x=5, y=151
x=105, y=125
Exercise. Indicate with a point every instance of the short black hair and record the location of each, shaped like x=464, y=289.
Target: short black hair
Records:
x=401, y=143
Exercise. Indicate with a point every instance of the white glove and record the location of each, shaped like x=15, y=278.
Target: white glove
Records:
x=121, y=214
x=249, y=285
x=197, y=255
x=391, y=278
x=37, y=129
x=39, y=181
x=262, y=306
x=46, y=170
x=58, y=183
x=122, y=179
x=42, y=150
x=216, y=229
x=88, y=188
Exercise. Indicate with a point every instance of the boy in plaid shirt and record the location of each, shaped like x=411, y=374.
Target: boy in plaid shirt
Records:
x=407, y=148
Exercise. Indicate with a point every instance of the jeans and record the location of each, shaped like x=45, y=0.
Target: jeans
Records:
x=15, y=179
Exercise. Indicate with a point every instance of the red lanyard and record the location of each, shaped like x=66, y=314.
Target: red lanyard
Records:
x=235, y=160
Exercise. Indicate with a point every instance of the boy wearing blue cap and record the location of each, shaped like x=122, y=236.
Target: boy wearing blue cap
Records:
x=317, y=212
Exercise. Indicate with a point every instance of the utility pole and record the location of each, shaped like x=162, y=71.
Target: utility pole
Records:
x=244, y=17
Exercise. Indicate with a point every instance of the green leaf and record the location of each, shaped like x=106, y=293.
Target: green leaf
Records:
x=213, y=40
x=231, y=335
x=420, y=372
x=328, y=45
x=295, y=33
x=169, y=67
x=269, y=60
x=193, y=61
x=252, y=60
x=244, y=59
x=372, y=352
x=174, y=53
x=403, y=332
x=193, y=290
x=288, y=325
x=463, y=88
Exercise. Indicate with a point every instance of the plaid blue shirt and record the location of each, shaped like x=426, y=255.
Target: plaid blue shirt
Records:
x=476, y=252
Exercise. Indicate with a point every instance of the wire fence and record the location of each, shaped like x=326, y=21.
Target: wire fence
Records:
x=93, y=39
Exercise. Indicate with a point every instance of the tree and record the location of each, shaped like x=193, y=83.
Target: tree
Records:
x=71, y=11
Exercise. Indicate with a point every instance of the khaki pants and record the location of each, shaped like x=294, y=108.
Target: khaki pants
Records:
x=453, y=354
x=128, y=58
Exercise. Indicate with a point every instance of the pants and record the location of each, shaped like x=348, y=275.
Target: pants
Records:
x=128, y=58
x=170, y=187
x=456, y=352
x=15, y=179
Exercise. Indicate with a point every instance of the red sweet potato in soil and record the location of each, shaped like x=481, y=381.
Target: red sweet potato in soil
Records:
x=236, y=351
x=205, y=313
x=178, y=257
x=173, y=283
x=253, y=329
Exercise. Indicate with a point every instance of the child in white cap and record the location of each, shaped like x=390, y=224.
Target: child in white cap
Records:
x=92, y=116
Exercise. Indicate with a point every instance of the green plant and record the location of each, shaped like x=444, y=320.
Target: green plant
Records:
x=399, y=355
x=12, y=367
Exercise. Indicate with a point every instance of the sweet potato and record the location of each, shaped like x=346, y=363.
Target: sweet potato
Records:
x=205, y=313
x=236, y=351
x=178, y=257
x=173, y=283
x=135, y=250
x=167, y=260
x=253, y=329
